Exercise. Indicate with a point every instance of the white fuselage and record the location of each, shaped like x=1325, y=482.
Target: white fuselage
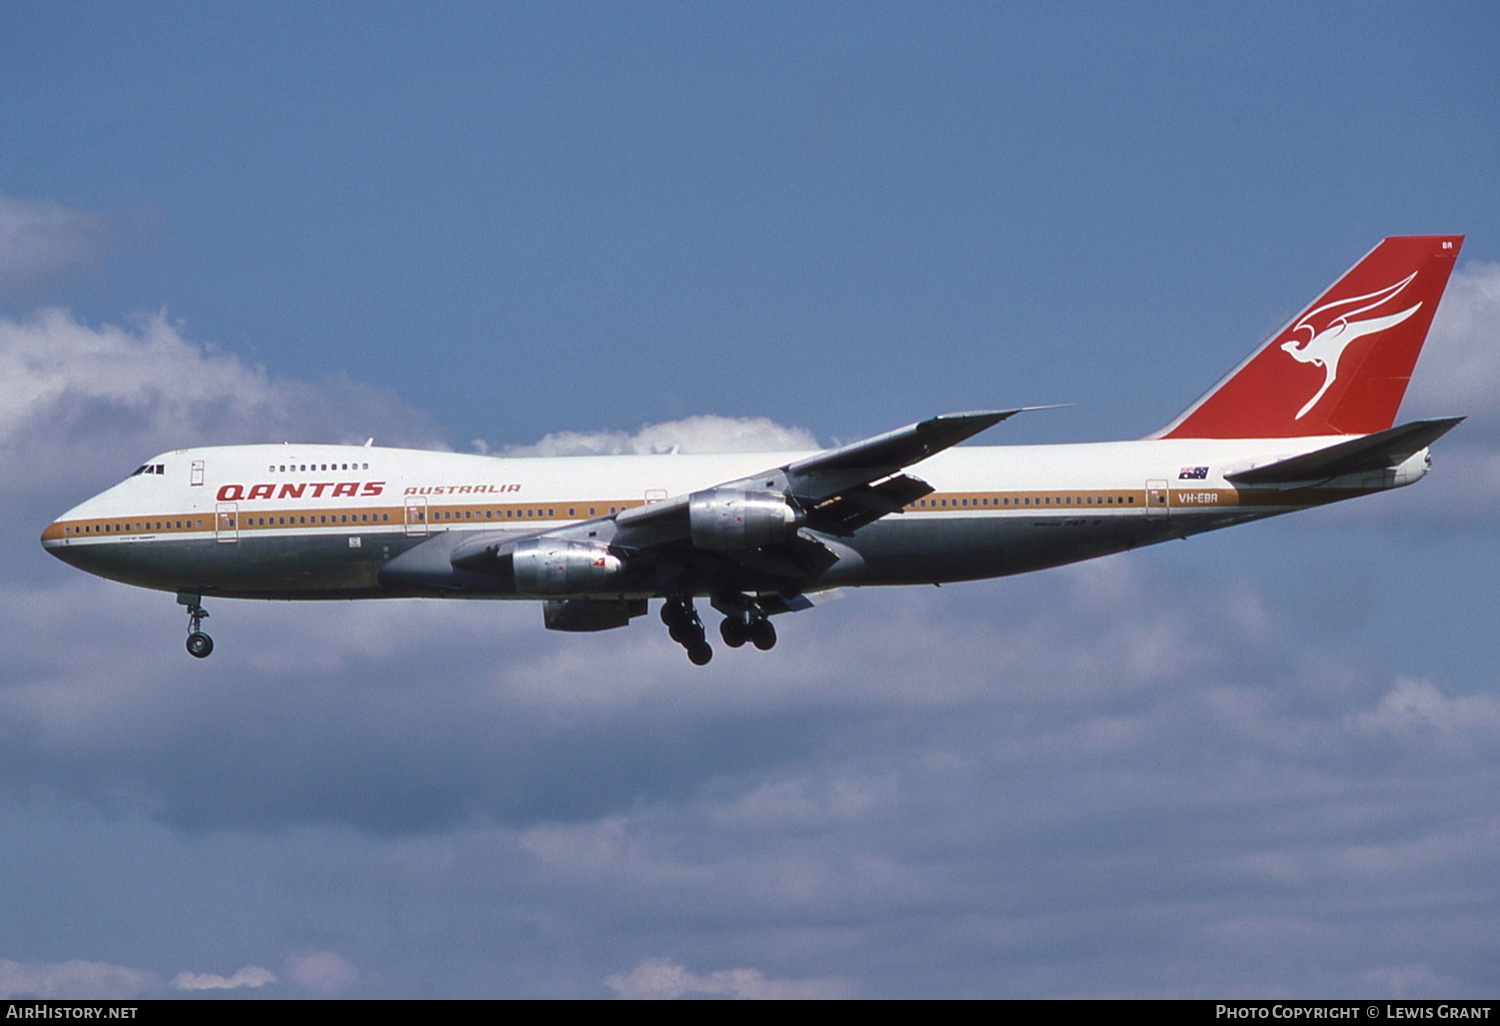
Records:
x=318, y=521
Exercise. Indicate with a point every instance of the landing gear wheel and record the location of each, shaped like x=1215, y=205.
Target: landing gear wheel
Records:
x=734, y=632
x=700, y=653
x=763, y=634
x=199, y=645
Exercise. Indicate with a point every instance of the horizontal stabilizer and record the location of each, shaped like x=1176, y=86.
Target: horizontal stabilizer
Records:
x=1380, y=451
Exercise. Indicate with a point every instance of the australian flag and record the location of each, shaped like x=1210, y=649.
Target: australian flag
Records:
x=1192, y=474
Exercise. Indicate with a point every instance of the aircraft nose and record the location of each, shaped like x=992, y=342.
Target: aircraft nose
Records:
x=52, y=536
x=62, y=538
x=57, y=542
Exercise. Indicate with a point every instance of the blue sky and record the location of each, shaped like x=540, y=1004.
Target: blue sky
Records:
x=1262, y=763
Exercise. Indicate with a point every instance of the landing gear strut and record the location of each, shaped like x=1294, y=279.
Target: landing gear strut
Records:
x=746, y=620
x=199, y=644
x=739, y=628
x=686, y=629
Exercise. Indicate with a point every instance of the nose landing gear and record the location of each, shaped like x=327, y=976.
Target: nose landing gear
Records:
x=199, y=644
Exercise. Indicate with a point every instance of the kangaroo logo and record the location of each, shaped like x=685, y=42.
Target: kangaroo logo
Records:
x=1331, y=328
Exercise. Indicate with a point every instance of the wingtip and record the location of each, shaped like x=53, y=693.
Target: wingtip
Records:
x=999, y=415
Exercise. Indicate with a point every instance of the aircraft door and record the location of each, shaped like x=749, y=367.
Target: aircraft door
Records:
x=227, y=522
x=416, y=516
x=1157, y=498
x=195, y=474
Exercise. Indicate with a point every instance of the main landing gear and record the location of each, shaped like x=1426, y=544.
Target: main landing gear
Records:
x=740, y=628
x=199, y=644
x=686, y=629
x=744, y=621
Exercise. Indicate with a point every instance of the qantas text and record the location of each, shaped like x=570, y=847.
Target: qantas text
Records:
x=305, y=489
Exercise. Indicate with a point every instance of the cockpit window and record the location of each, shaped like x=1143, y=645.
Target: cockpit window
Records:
x=149, y=468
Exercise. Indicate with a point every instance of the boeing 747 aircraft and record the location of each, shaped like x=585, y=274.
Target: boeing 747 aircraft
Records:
x=1305, y=420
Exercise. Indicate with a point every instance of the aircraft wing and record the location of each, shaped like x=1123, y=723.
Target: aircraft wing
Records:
x=752, y=527
x=838, y=490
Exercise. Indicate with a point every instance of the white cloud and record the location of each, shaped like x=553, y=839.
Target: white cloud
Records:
x=38, y=237
x=705, y=433
x=249, y=976
x=90, y=403
x=73, y=979
x=658, y=979
x=62, y=379
x=1419, y=708
x=321, y=972
x=1459, y=370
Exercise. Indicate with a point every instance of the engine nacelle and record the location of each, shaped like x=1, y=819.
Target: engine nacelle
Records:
x=724, y=518
x=549, y=566
x=581, y=615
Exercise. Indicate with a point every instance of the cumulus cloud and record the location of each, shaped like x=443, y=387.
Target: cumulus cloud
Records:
x=699, y=434
x=73, y=979
x=249, y=976
x=1459, y=370
x=657, y=979
x=65, y=383
x=322, y=973
x=1027, y=788
x=1418, y=707
x=39, y=237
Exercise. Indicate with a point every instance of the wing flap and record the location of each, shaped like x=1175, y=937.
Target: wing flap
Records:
x=855, y=507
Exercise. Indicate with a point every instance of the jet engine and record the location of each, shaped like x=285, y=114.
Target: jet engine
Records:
x=551, y=566
x=580, y=615
x=723, y=518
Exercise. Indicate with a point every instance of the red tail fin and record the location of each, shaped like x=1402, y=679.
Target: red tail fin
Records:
x=1341, y=366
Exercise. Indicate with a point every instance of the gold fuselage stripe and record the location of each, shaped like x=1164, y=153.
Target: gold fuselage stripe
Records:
x=250, y=518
